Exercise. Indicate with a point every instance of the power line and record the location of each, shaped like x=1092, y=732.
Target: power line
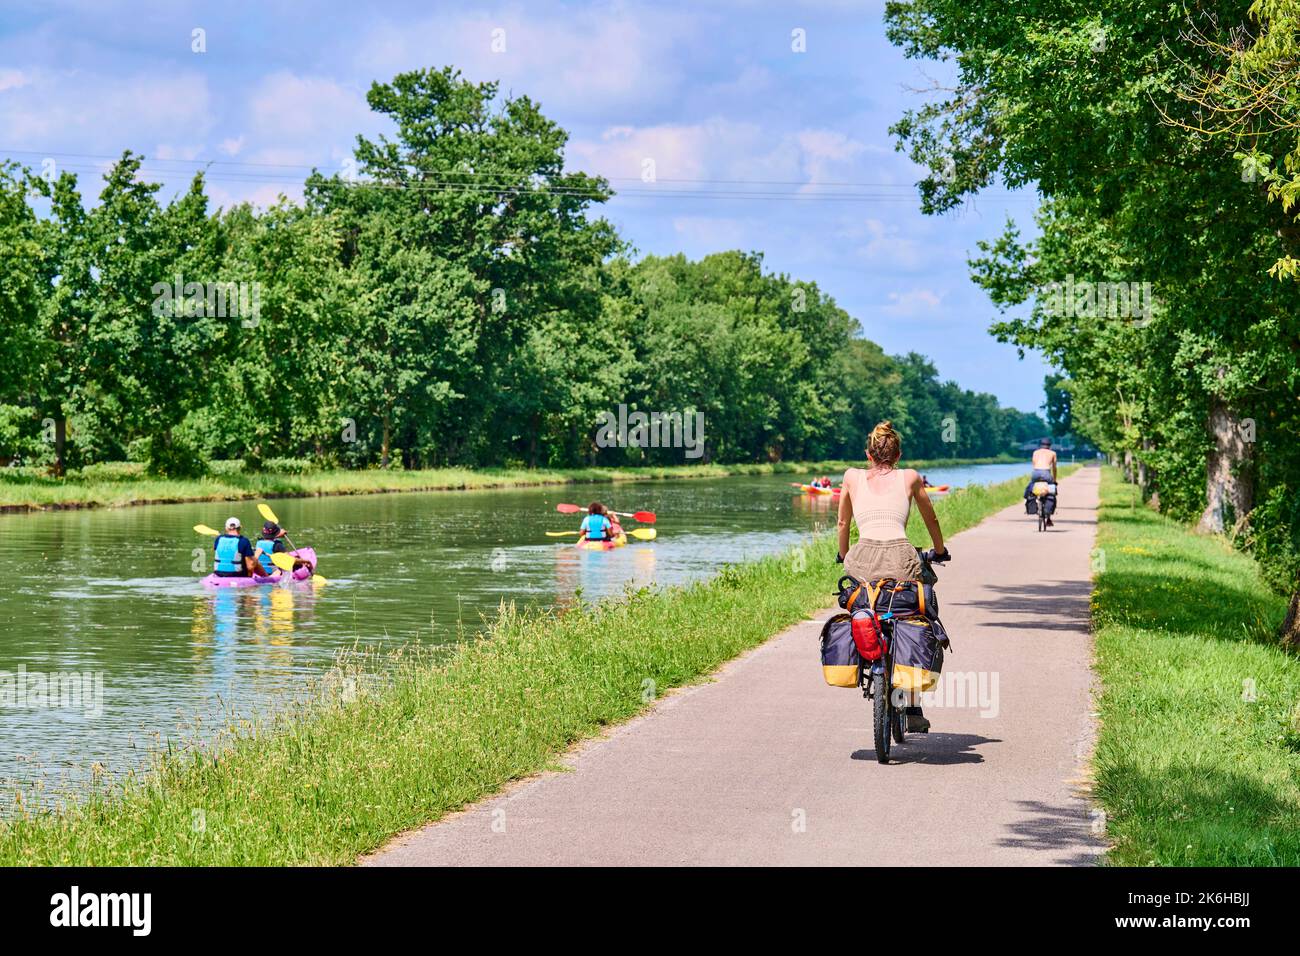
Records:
x=502, y=187
x=305, y=168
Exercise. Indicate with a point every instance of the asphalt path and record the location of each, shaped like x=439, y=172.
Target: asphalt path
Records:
x=766, y=765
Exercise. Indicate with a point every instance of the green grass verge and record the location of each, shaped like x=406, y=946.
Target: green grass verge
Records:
x=120, y=484
x=339, y=774
x=1198, y=757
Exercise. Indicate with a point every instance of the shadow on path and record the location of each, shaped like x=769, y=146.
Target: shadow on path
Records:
x=1049, y=828
x=939, y=749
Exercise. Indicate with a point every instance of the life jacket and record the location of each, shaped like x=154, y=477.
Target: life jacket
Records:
x=265, y=548
x=597, y=528
x=229, y=561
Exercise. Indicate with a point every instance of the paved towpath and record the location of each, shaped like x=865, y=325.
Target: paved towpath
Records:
x=767, y=765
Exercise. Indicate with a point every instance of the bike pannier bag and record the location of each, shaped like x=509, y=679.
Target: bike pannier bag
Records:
x=1031, y=506
x=840, y=659
x=918, y=656
x=868, y=637
x=1049, y=505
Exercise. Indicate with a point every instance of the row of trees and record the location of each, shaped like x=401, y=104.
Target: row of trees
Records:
x=458, y=301
x=1150, y=135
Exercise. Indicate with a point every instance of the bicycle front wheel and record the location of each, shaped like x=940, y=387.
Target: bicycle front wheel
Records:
x=881, y=716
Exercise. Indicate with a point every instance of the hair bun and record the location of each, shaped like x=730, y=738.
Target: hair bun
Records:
x=884, y=446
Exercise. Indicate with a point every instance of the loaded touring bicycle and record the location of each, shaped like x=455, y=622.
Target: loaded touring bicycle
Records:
x=890, y=643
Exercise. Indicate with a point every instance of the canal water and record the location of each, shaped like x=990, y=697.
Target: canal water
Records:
x=110, y=599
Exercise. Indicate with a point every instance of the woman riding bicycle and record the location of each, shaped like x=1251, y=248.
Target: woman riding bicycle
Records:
x=878, y=499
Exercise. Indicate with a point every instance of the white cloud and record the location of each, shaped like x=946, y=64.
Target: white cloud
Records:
x=594, y=62
x=913, y=303
x=717, y=149
x=94, y=112
x=12, y=79
x=886, y=246
x=288, y=107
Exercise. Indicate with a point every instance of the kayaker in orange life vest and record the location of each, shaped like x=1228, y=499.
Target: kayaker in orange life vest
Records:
x=596, y=526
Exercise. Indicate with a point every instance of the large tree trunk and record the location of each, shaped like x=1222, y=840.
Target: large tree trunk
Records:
x=1291, y=626
x=1230, y=475
x=388, y=441
x=60, y=444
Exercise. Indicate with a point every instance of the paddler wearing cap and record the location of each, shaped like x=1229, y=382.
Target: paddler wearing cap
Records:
x=235, y=557
x=270, y=542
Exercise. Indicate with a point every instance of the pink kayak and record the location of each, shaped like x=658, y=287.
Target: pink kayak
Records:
x=302, y=574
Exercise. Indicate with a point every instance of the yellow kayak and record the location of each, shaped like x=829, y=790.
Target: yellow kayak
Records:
x=810, y=490
x=603, y=545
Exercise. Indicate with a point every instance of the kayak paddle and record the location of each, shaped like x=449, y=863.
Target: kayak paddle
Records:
x=210, y=532
x=285, y=562
x=645, y=517
x=644, y=534
x=269, y=515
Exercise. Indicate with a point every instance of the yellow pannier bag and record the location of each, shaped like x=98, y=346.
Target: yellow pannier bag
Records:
x=841, y=662
x=918, y=654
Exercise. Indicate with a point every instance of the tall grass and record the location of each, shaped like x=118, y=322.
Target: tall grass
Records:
x=1198, y=758
x=363, y=759
x=121, y=484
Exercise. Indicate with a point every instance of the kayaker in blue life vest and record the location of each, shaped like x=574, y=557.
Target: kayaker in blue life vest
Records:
x=596, y=526
x=234, y=553
x=270, y=542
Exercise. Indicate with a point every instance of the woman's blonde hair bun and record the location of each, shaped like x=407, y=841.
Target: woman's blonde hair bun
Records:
x=883, y=445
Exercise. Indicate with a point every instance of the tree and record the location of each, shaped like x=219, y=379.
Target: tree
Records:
x=1060, y=421
x=465, y=235
x=21, y=339
x=1090, y=105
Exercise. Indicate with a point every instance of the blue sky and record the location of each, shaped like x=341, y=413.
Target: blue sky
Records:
x=712, y=92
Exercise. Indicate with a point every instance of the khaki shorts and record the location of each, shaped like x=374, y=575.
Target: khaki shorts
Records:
x=872, y=560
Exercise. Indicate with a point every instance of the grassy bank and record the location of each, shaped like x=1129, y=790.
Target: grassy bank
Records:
x=1198, y=758
x=122, y=484
x=341, y=774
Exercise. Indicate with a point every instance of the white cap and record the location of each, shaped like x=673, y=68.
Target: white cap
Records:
x=233, y=523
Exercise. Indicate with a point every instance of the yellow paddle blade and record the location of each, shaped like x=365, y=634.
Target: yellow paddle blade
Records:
x=561, y=534
x=204, y=529
x=282, y=560
x=645, y=534
x=267, y=513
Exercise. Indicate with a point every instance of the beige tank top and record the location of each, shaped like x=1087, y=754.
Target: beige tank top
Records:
x=880, y=515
